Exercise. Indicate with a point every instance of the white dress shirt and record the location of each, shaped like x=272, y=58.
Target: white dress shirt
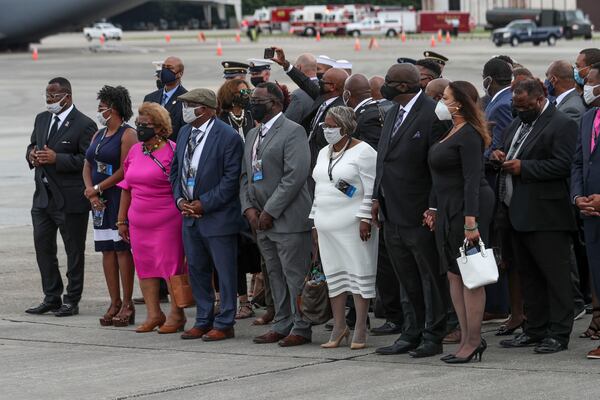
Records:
x=560, y=98
x=205, y=127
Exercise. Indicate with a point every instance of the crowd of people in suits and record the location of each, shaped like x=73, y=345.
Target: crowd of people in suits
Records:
x=382, y=179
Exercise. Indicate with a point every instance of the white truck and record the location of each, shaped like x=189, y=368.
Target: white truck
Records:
x=108, y=30
x=389, y=27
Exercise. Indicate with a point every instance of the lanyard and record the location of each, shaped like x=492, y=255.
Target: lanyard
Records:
x=100, y=142
x=258, y=141
x=333, y=164
x=156, y=160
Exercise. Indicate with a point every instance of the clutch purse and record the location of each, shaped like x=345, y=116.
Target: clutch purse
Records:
x=478, y=269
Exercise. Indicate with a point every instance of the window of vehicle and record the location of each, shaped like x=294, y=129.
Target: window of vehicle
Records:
x=377, y=22
x=318, y=16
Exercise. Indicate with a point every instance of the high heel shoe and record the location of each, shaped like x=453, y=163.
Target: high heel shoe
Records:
x=166, y=329
x=107, y=319
x=357, y=346
x=476, y=354
x=151, y=325
x=125, y=317
x=332, y=344
x=447, y=357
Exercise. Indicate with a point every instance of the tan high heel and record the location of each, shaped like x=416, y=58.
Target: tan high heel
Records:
x=357, y=346
x=151, y=325
x=332, y=344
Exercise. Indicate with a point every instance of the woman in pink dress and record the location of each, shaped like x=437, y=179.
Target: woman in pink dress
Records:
x=148, y=217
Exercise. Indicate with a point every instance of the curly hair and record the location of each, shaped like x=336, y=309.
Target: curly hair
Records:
x=118, y=99
x=344, y=117
x=159, y=115
x=227, y=93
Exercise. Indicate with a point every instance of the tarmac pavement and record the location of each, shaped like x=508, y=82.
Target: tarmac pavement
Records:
x=44, y=357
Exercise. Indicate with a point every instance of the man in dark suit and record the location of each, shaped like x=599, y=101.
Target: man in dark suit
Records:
x=533, y=191
x=376, y=82
x=59, y=141
x=401, y=196
x=170, y=76
x=561, y=86
x=205, y=180
x=301, y=103
x=585, y=183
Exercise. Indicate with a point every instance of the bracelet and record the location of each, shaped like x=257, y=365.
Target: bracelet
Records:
x=122, y=223
x=368, y=221
x=471, y=229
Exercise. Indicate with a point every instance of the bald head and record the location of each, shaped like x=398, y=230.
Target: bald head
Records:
x=405, y=72
x=307, y=64
x=356, y=89
x=560, y=76
x=173, y=63
x=376, y=83
x=334, y=80
x=435, y=88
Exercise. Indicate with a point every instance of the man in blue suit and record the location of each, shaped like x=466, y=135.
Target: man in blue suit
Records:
x=585, y=180
x=205, y=179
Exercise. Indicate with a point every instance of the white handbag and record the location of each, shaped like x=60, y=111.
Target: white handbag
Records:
x=478, y=269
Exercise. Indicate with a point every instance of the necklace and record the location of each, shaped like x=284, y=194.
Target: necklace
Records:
x=153, y=147
x=239, y=121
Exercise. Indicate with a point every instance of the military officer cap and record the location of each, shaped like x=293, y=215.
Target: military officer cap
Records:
x=437, y=57
x=232, y=69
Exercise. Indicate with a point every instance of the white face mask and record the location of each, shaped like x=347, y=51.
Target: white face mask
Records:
x=189, y=114
x=332, y=135
x=100, y=117
x=442, y=111
x=588, y=94
x=55, y=108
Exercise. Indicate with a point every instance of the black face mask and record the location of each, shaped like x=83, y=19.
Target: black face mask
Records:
x=167, y=76
x=159, y=84
x=259, y=111
x=256, y=80
x=145, y=133
x=320, y=75
x=389, y=92
x=242, y=101
x=528, y=116
x=322, y=87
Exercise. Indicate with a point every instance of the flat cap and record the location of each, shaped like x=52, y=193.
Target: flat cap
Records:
x=233, y=68
x=437, y=57
x=206, y=97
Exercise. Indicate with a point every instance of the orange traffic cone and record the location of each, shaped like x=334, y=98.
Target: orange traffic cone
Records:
x=34, y=54
x=237, y=37
x=439, y=35
x=168, y=38
x=373, y=44
x=318, y=36
x=432, y=40
x=448, y=40
x=403, y=37
x=219, y=49
x=356, y=45
x=102, y=40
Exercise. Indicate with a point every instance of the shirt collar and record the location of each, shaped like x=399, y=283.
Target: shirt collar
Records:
x=267, y=125
x=498, y=94
x=367, y=100
x=329, y=101
x=560, y=98
x=170, y=92
x=411, y=103
x=63, y=115
x=205, y=127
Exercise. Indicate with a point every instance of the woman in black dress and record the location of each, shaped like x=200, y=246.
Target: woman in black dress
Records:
x=465, y=204
x=102, y=171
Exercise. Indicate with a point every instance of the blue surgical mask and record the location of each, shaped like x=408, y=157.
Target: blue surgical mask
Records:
x=577, y=77
x=550, y=87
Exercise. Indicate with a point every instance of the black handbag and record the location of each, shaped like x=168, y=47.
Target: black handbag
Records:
x=314, y=301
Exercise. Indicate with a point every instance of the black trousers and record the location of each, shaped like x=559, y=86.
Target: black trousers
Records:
x=73, y=230
x=388, y=302
x=414, y=256
x=544, y=263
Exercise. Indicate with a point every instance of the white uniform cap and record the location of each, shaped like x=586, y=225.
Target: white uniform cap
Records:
x=326, y=61
x=259, y=64
x=343, y=64
x=157, y=65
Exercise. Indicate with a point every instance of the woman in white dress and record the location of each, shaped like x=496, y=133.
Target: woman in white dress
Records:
x=344, y=177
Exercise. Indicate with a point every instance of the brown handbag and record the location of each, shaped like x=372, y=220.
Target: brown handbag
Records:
x=182, y=291
x=314, y=301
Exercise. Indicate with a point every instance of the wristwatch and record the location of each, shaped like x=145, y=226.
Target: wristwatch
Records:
x=97, y=189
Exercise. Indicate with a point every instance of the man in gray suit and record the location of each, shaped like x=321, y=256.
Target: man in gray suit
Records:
x=301, y=103
x=561, y=85
x=275, y=200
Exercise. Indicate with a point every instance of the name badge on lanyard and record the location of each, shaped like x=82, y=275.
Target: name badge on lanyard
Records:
x=191, y=181
x=257, y=171
x=103, y=168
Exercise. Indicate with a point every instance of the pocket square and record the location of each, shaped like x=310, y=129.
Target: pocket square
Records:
x=417, y=135
x=65, y=142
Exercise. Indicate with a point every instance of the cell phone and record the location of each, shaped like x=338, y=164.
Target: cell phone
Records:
x=269, y=53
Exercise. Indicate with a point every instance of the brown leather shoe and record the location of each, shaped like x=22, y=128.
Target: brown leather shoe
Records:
x=167, y=329
x=218, y=334
x=594, y=354
x=266, y=318
x=452, y=337
x=293, y=340
x=195, y=333
x=269, y=337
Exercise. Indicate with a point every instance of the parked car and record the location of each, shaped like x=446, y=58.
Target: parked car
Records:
x=108, y=30
x=375, y=26
x=524, y=30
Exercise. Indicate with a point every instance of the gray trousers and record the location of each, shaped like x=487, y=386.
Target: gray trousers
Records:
x=287, y=258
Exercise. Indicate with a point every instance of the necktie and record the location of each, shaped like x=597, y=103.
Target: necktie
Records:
x=505, y=185
x=259, y=138
x=398, y=123
x=54, y=127
x=316, y=119
x=188, y=171
x=595, y=131
x=164, y=99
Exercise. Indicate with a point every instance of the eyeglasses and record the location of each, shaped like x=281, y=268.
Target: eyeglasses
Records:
x=103, y=110
x=261, y=101
x=138, y=125
x=246, y=92
x=55, y=96
x=323, y=125
x=387, y=82
x=326, y=83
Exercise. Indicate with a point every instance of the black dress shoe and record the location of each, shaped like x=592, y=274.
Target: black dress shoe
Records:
x=522, y=340
x=388, y=328
x=549, y=346
x=67, y=310
x=426, y=349
x=43, y=308
x=399, y=347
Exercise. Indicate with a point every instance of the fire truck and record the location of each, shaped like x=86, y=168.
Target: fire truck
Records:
x=270, y=19
x=329, y=19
